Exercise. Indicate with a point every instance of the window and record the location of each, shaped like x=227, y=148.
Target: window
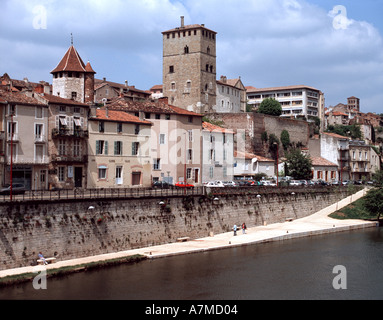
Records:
x=76, y=148
x=119, y=127
x=171, y=69
x=74, y=95
x=39, y=130
x=162, y=138
x=39, y=112
x=76, y=110
x=212, y=154
x=39, y=153
x=211, y=172
x=61, y=174
x=208, y=50
x=137, y=129
x=101, y=126
x=173, y=86
x=190, y=119
x=186, y=49
x=189, y=173
x=156, y=164
x=62, y=147
x=118, y=148
x=101, y=147
x=135, y=148
x=167, y=116
x=190, y=155
x=102, y=172
x=158, y=116
x=62, y=108
x=190, y=134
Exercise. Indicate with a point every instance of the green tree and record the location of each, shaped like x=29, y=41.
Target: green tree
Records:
x=352, y=131
x=271, y=107
x=298, y=165
x=285, y=139
x=373, y=201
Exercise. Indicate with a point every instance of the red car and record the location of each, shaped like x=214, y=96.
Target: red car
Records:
x=183, y=185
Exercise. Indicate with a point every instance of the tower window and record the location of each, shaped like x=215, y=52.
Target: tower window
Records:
x=208, y=50
x=186, y=49
x=171, y=69
x=74, y=95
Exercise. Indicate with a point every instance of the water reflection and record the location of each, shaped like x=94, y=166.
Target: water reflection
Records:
x=293, y=269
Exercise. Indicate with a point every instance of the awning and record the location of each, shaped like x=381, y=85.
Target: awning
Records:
x=77, y=122
x=63, y=121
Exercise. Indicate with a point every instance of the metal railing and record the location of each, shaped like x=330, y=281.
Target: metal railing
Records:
x=100, y=193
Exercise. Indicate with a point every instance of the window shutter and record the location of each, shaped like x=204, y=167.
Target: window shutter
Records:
x=97, y=147
x=115, y=148
x=106, y=147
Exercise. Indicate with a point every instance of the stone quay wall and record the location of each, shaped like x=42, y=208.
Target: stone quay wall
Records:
x=74, y=228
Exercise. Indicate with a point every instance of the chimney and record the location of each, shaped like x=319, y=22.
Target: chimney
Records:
x=106, y=112
x=182, y=21
x=126, y=83
x=104, y=79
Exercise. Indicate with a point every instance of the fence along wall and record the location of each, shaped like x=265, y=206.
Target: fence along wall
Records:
x=69, y=229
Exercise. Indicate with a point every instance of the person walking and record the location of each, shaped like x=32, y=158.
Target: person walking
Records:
x=244, y=228
x=235, y=229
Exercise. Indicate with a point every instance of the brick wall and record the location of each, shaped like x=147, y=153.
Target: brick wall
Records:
x=70, y=230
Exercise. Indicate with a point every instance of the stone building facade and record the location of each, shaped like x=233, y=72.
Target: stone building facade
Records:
x=189, y=67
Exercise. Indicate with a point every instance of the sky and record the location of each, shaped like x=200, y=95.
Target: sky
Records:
x=333, y=46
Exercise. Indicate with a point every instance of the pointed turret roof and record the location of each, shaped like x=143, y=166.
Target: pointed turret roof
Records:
x=72, y=62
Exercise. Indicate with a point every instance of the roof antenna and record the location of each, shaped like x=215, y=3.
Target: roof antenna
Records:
x=71, y=39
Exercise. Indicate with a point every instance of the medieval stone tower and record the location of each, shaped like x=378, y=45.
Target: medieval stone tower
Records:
x=72, y=79
x=189, y=67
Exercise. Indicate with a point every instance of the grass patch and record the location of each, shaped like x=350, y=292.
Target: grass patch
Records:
x=356, y=210
x=63, y=271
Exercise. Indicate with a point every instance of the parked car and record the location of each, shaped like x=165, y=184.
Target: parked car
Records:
x=358, y=182
x=183, y=184
x=229, y=184
x=268, y=183
x=17, y=188
x=335, y=183
x=162, y=185
x=346, y=182
x=213, y=184
x=295, y=183
x=219, y=183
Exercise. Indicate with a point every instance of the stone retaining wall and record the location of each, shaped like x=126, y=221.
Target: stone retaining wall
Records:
x=69, y=229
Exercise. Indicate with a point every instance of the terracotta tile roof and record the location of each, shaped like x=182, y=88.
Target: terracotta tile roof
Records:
x=249, y=156
x=157, y=87
x=296, y=87
x=18, y=98
x=72, y=62
x=336, y=135
x=160, y=106
x=98, y=83
x=58, y=100
x=211, y=127
x=319, y=161
x=118, y=116
x=337, y=113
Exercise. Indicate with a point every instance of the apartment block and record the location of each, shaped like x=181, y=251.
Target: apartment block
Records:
x=295, y=100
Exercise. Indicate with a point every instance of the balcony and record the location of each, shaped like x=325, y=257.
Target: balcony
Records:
x=65, y=158
x=40, y=138
x=13, y=137
x=66, y=132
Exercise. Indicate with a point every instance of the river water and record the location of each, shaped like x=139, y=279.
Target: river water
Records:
x=291, y=269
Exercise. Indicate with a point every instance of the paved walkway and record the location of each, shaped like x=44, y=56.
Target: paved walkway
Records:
x=318, y=223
